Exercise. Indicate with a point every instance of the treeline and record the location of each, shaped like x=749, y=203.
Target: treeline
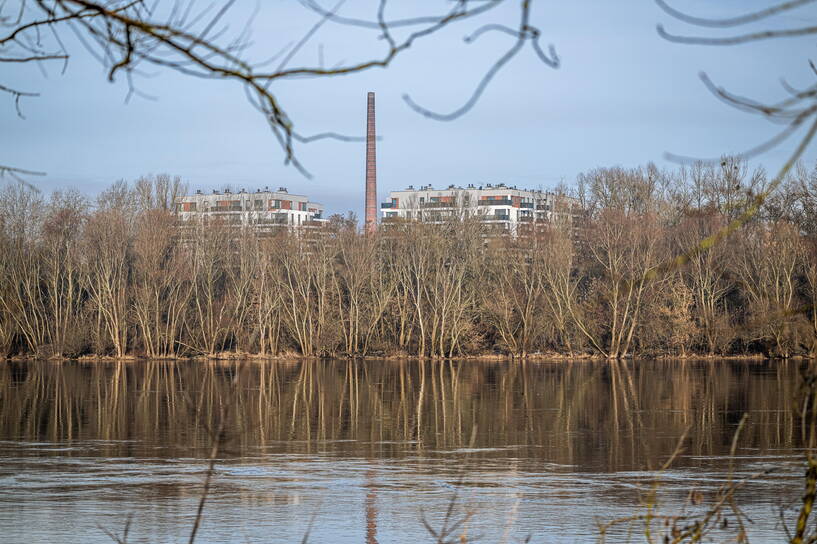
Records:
x=119, y=276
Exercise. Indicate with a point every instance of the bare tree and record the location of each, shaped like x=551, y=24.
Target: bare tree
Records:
x=515, y=302
x=62, y=237
x=767, y=264
x=304, y=275
x=436, y=272
x=107, y=258
x=706, y=275
x=208, y=322
x=267, y=300
x=241, y=271
x=363, y=290
x=624, y=251
x=161, y=282
x=23, y=300
x=557, y=256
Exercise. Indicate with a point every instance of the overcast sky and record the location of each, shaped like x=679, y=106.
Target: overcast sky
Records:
x=623, y=96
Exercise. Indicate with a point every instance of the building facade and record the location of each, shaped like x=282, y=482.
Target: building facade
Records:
x=261, y=210
x=509, y=210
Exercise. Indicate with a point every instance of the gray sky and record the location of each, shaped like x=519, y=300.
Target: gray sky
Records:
x=623, y=96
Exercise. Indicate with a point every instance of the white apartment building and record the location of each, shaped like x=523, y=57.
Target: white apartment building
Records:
x=262, y=210
x=506, y=208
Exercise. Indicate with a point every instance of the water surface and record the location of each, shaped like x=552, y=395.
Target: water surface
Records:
x=364, y=452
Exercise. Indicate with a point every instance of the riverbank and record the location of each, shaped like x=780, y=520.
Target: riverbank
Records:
x=484, y=357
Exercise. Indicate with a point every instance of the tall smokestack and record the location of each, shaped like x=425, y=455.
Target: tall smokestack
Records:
x=371, y=168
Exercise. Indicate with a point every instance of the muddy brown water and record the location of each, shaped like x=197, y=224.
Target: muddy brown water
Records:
x=366, y=451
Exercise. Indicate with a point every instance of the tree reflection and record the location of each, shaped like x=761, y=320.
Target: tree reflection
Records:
x=598, y=416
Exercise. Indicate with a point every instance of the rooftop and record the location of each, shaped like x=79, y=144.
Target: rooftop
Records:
x=228, y=191
x=473, y=187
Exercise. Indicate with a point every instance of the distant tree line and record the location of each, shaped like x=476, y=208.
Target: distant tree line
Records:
x=120, y=276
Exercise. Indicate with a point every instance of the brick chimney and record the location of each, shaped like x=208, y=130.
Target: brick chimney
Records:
x=371, y=168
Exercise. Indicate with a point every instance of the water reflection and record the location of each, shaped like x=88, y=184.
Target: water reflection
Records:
x=380, y=439
x=607, y=417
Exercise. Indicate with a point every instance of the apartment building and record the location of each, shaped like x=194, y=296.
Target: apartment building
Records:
x=261, y=210
x=504, y=208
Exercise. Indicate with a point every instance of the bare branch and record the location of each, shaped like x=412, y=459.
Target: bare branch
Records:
x=123, y=34
x=12, y=171
x=33, y=59
x=328, y=136
x=306, y=38
x=553, y=60
x=17, y=174
x=491, y=28
x=736, y=40
x=486, y=79
x=17, y=96
x=524, y=32
x=375, y=25
x=732, y=21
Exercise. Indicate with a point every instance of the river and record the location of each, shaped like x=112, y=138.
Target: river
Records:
x=344, y=451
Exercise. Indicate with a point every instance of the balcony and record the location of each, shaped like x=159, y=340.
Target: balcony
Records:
x=496, y=217
x=272, y=221
x=386, y=205
x=528, y=205
x=503, y=202
x=426, y=205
